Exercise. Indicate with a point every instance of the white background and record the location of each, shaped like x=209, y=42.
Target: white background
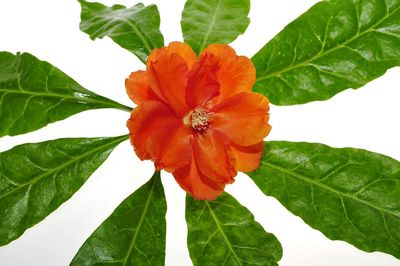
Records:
x=366, y=118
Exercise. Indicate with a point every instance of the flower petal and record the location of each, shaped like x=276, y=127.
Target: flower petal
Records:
x=182, y=49
x=210, y=151
x=176, y=152
x=195, y=183
x=243, y=118
x=158, y=135
x=236, y=74
x=202, y=84
x=168, y=78
x=168, y=70
x=248, y=158
x=138, y=87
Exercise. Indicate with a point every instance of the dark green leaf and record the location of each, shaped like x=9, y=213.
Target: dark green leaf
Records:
x=336, y=45
x=214, y=21
x=136, y=29
x=34, y=93
x=35, y=179
x=134, y=234
x=347, y=194
x=223, y=232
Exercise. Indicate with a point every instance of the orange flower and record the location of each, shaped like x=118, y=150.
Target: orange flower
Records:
x=197, y=117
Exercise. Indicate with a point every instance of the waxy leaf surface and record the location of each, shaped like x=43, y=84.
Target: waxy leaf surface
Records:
x=136, y=29
x=223, y=232
x=347, y=194
x=35, y=179
x=214, y=21
x=336, y=45
x=134, y=234
x=34, y=93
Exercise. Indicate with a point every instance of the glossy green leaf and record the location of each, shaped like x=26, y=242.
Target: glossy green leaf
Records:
x=34, y=93
x=347, y=194
x=213, y=21
x=134, y=234
x=35, y=179
x=136, y=29
x=336, y=45
x=223, y=232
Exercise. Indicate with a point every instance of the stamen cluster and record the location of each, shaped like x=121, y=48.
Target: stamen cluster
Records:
x=200, y=119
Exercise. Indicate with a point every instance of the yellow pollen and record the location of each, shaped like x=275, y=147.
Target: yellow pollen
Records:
x=200, y=119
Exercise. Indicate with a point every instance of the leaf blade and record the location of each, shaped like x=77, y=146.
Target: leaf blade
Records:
x=34, y=93
x=215, y=234
x=347, y=194
x=229, y=19
x=108, y=240
x=135, y=29
x=335, y=45
x=35, y=179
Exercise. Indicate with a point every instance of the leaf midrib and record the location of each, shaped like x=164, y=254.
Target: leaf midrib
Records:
x=222, y=232
x=140, y=34
x=203, y=44
x=68, y=97
x=100, y=16
x=136, y=29
x=323, y=53
x=328, y=188
x=156, y=179
x=64, y=165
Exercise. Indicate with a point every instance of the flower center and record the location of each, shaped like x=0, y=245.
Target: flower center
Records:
x=200, y=119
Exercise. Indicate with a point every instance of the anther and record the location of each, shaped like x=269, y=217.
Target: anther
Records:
x=200, y=119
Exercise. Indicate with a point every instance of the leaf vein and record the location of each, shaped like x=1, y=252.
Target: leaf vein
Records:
x=54, y=170
x=146, y=206
x=326, y=187
x=326, y=52
x=211, y=25
x=223, y=233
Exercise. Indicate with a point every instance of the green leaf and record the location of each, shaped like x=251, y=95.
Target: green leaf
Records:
x=223, y=232
x=34, y=93
x=35, y=179
x=347, y=194
x=336, y=45
x=214, y=21
x=134, y=234
x=136, y=29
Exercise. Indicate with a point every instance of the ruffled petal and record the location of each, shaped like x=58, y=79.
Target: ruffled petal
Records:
x=210, y=151
x=236, y=73
x=157, y=134
x=195, y=183
x=138, y=88
x=202, y=84
x=176, y=152
x=243, y=118
x=168, y=70
x=184, y=50
x=248, y=158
